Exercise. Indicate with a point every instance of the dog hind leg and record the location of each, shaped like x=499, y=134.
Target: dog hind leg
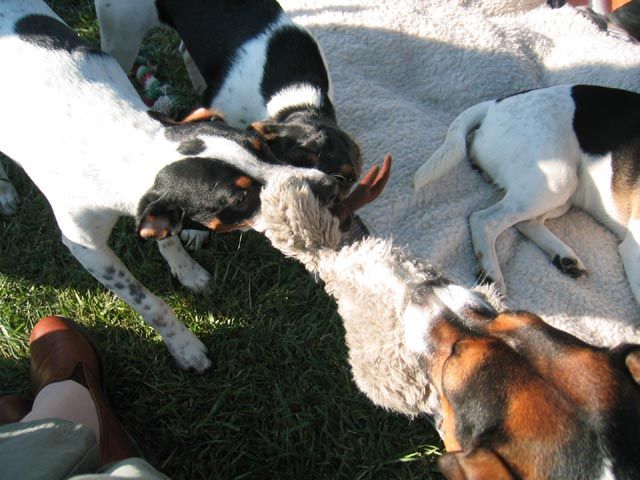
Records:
x=562, y=256
x=486, y=225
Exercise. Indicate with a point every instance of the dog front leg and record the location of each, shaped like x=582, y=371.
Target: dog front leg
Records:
x=108, y=269
x=188, y=272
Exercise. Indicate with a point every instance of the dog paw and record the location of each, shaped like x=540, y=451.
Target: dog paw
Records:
x=193, y=277
x=189, y=351
x=8, y=198
x=194, y=239
x=572, y=267
x=483, y=278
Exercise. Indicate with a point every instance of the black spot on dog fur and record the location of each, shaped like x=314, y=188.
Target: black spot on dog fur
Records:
x=191, y=147
x=605, y=118
x=51, y=34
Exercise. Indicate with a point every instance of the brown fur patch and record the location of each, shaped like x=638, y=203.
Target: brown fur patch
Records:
x=449, y=426
x=217, y=225
x=243, y=182
x=346, y=170
x=477, y=464
x=256, y=144
x=201, y=114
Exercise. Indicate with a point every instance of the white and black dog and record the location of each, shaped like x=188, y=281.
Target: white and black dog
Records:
x=549, y=149
x=258, y=67
x=98, y=155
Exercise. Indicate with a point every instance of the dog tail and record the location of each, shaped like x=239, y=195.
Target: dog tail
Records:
x=454, y=148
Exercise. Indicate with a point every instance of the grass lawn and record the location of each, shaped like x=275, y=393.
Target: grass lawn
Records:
x=278, y=402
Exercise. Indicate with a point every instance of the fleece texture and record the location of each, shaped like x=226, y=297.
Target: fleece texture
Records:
x=372, y=282
x=403, y=70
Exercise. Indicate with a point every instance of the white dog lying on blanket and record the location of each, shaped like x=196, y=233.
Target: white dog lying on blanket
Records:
x=549, y=149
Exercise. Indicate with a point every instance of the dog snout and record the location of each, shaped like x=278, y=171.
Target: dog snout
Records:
x=325, y=189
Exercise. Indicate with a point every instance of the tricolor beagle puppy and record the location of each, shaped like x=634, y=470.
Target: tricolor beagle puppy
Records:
x=549, y=149
x=73, y=121
x=255, y=65
x=520, y=399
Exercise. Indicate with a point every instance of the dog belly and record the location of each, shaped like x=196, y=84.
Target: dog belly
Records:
x=595, y=196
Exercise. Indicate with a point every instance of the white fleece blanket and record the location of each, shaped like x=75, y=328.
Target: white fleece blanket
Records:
x=403, y=69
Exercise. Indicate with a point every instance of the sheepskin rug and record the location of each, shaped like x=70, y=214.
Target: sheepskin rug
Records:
x=404, y=69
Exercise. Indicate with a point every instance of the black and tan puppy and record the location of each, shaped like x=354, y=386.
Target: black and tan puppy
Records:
x=521, y=399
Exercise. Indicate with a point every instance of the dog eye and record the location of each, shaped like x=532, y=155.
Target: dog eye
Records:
x=342, y=180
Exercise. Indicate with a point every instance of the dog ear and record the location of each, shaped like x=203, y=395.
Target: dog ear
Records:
x=632, y=361
x=158, y=219
x=475, y=464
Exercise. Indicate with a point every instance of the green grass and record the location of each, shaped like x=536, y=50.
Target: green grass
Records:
x=278, y=402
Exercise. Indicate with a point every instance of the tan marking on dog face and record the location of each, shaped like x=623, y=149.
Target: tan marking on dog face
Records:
x=243, y=182
x=256, y=144
x=449, y=425
x=538, y=421
x=508, y=322
x=217, y=225
x=347, y=171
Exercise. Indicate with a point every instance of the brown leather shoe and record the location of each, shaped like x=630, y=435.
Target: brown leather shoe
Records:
x=60, y=351
x=13, y=408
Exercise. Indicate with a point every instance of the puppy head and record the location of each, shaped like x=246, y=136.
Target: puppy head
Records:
x=216, y=184
x=198, y=193
x=308, y=139
x=520, y=399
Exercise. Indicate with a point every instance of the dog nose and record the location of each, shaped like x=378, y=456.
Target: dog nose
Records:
x=325, y=189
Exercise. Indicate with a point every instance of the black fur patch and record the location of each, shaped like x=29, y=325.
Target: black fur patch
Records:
x=186, y=135
x=51, y=34
x=605, y=118
x=191, y=147
x=203, y=189
x=213, y=31
x=293, y=57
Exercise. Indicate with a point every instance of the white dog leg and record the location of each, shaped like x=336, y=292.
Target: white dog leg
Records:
x=563, y=257
x=188, y=272
x=8, y=196
x=486, y=225
x=123, y=24
x=630, y=253
x=89, y=246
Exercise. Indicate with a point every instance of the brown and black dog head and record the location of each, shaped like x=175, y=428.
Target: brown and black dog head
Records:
x=215, y=184
x=521, y=399
x=311, y=138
